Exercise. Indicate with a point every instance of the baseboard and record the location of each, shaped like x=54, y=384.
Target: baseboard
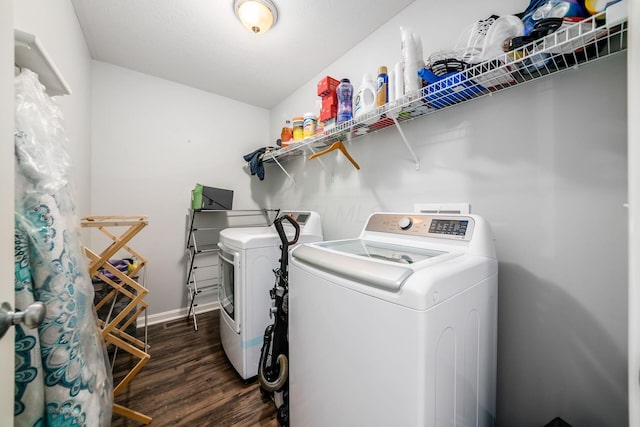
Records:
x=167, y=316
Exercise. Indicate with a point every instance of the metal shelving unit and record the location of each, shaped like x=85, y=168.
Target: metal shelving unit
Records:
x=568, y=48
x=203, y=231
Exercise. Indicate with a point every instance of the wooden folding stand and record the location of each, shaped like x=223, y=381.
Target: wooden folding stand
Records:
x=123, y=285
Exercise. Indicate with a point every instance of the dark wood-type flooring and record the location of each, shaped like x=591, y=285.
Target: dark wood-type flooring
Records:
x=190, y=382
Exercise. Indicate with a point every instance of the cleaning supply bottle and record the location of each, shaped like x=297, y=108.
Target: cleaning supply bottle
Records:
x=391, y=86
x=298, y=128
x=365, y=97
x=345, y=99
x=382, y=88
x=399, y=80
x=309, y=125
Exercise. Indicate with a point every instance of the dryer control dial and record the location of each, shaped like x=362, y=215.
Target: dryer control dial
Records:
x=405, y=223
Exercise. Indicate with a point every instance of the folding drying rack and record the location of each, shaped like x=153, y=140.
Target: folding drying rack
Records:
x=203, y=232
x=123, y=286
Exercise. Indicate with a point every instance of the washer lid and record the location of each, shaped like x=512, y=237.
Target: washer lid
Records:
x=384, y=265
x=381, y=251
x=261, y=237
x=249, y=237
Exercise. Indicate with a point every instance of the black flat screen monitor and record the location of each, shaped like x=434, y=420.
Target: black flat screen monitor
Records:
x=216, y=199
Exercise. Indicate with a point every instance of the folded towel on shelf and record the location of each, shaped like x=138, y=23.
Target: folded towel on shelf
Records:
x=255, y=162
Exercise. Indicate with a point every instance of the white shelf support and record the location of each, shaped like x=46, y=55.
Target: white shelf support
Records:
x=404, y=139
x=275, y=159
x=30, y=54
x=310, y=148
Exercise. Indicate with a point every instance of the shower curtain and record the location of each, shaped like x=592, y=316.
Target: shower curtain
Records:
x=62, y=375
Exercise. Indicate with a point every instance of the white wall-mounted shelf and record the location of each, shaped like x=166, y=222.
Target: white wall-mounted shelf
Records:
x=30, y=54
x=568, y=48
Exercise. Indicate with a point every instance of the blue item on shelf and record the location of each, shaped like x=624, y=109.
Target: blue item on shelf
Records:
x=542, y=9
x=448, y=89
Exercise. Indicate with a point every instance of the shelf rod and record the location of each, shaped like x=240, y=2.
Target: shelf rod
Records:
x=404, y=138
x=284, y=170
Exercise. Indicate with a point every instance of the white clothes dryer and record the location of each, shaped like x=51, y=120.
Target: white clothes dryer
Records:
x=396, y=327
x=247, y=258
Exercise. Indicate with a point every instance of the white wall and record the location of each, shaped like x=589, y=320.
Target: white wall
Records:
x=54, y=22
x=153, y=141
x=546, y=164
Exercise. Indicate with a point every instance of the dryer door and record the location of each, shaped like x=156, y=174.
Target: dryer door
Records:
x=229, y=284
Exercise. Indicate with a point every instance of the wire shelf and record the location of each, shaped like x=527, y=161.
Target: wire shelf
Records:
x=571, y=46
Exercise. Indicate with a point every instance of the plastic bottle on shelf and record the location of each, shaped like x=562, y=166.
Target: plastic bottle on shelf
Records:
x=382, y=87
x=298, y=128
x=345, y=99
x=309, y=125
x=391, y=87
x=399, y=80
x=365, y=97
x=286, y=134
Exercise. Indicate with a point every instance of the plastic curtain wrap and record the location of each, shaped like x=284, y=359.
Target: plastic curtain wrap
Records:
x=62, y=372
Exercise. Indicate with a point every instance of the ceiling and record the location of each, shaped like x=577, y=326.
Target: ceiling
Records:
x=201, y=43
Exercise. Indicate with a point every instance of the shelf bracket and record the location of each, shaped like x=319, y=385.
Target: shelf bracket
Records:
x=404, y=139
x=30, y=54
x=284, y=170
x=310, y=148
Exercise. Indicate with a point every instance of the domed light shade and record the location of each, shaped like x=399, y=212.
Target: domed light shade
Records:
x=256, y=15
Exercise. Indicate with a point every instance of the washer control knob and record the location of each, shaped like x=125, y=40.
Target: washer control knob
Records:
x=405, y=223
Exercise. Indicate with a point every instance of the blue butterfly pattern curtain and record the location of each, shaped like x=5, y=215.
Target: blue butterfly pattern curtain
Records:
x=62, y=373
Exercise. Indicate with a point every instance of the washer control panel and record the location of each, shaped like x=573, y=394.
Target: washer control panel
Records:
x=457, y=227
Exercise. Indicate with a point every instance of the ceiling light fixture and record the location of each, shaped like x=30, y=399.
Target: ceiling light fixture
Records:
x=256, y=15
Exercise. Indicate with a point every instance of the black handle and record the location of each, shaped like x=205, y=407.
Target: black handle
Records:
x=280, y=229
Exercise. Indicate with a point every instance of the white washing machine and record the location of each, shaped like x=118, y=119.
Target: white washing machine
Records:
x=247, y=259
x=396, y=327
